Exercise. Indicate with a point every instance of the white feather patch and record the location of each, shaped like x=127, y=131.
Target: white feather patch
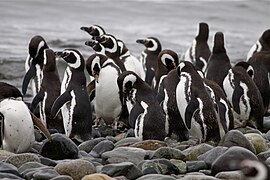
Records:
x=166, y=56
x=140, y=121
x=155, y=45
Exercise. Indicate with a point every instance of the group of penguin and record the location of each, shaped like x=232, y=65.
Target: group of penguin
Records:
x=158, y=95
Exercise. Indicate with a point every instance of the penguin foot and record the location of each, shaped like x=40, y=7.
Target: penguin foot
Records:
x=98, y=122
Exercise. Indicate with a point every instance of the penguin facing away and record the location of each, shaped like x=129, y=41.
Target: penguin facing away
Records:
x=146, y=115
x=244, y=96
x=74, y=100
x=195, y=105
x=49, y=92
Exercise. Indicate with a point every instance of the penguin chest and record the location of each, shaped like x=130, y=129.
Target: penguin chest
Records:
x=229, y=86
x=139, y=125
x=66, y=80
x=244, y=103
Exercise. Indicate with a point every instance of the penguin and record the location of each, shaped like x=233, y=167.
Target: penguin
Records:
x=146, y=115
x=130, y=61
x=260, y=62
x=199, y=52
x=94, y=30
x=34, y=64
x=255, y=170
x=74, y=101
x=8, y=90
x=17, y=126
x=196, y=106
x=107, y=101
x=244, y=96
x=263, y=44
x=219, y=63
x=149, y=57
x=48, y=93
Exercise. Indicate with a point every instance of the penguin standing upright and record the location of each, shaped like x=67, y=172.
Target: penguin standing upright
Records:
x=34, y=64
x=219, y=63
x=49, y=92
x=94, y=30
x=263, y=44
x=146, y=115
x=74, y=100
x=244, y=96
x=195, y=105
x=199, y=52
x=149, y=58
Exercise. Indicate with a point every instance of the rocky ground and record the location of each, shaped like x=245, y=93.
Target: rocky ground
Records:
x=122, y=156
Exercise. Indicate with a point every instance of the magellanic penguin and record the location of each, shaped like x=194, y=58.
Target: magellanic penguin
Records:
x=219, y=63
x=146, y=115
x=195, y=105
x=107, y=101
x=74, y=100
x=34, y=64
x=199, y=52
x=8, y=90
x=244, y=96
x=255, y=170
x=48, y=93
x=130, y=61
x=94, y=30
x=260, y=63
x=17, y=126
x=149, y=58
x=263, y=44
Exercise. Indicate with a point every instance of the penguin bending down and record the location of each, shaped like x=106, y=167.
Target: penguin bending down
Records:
x=149, y=58
x=145, y=114
x=244, y=96
x=17, y=126
x=74, y=100
x=199, y=52
x=48, y=93
x=195, y=105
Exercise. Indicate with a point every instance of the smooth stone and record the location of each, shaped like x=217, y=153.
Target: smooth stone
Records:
x=258, y=142
x=77, y=169
x=149, y=144
x=45, y=174
x=124, y=154
x=266, y=125
x=206, y=172
x=47, y=161
x=194, y=166
x=192, y=153
x=97, y=176
x=228, y=175
x=197, y=177
x=102, y=147
x=29, y=165
x=120, y=137
x=230, y=160
x=127, y=142
x=5, y=154
x=37, y=146
x=210, y=156
x=236, y=138
x=9, y=168
x=181, y=165
x=158, y=166
x=156, y=177
x=38, y=136
x=127, y=169
x=29, y=173
x=60, y=147
x=62, y=177
x=88, y=145
x=168, y=153
x=111, y=138
x=264, y=155
x=107, y=131
x=130, y=133
x=7, y=176
x=19, y=159
x=267, y=161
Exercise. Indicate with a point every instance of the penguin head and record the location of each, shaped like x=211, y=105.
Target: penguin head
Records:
x=247, y=67
x=94, y=64
x=203, y=32
x=126, y=82
x=265, y=38
x=185, y=66
x=169, y=58
x=96, y=46
x=254, y=169
x=36, y=46
x=73, y=57
x=110, y=44
x=151, y=44
x=122, y=47
x=49, y=60
x=94, y=30
x=219, y=43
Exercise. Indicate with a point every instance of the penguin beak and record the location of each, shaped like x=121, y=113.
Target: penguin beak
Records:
x=86, y=29
x=28, y=76
x=58, y=53
x=90, y=43
x=96, y=76
x=38, y=123
x=61, y=54
x=141, y=41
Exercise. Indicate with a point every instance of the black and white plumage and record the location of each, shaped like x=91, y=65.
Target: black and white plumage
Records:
x=94, y=30
x=255, y=170
x=145, y=114
x=149, y=58
x=219, y=63
x=8, y=90
x=199, y=52
x=244, y=96
x=195, y=105
x=74, y=100
x=263, y=44
x=48, y=93
x=34, y=64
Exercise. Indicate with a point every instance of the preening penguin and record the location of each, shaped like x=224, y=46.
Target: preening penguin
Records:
x=195, y=105
x=74, y=100
x=146, y=115
x=149, y=58
x=244, y=96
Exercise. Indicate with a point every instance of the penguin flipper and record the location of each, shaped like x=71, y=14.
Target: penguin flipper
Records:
x=191, y=109
x=237, y=94
x=39, y=97
x=59, y=102
x=28, y=76
x=134, y=114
